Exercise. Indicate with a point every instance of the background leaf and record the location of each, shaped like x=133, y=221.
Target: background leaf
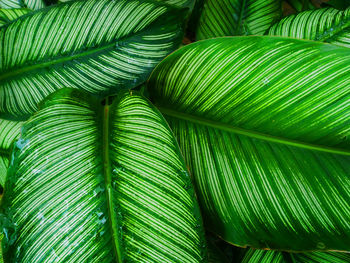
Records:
x=327, y=24
x=339, y=4
x=9, y=131
x=237, y=17
x=301, y=5
x=7, y=15
x=263, y=256
x=263, y=123
x=86, y=190
x=100, y=46
x=31, y=4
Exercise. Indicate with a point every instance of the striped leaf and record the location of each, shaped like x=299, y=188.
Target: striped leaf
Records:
x=263, y=123
x=7, y=15
x=327, y=25
x=9, y=131
x=263, y=256
x=100, y=184
x=31, y=4
x=237, y=17
x=178, y=3
x=100, y=46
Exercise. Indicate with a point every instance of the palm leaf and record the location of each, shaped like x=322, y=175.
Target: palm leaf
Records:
x=9, y=131
x=263, y=123
x=100, y=184
x=7, y=15
x=31, y=4
x=100, y=46
x=237, y=17
x=263, y=256
x=327, y=24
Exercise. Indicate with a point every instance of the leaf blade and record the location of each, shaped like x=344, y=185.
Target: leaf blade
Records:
x=326, y=24
x=250, y=188
x=232, y=17
x=9, y=132
x=109, y=53
x=76, y=211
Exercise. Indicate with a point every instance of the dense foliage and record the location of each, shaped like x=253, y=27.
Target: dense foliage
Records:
x=123, y=141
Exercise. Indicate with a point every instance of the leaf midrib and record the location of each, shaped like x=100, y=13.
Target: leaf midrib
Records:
x=240, y=19
x=54, y=61
x=112, y=217
x=249, y=133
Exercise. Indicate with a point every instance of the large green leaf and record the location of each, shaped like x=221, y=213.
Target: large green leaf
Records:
x=237, y=17
x=100, y=46
x=7, y=15
x=100, y=184
x=263, y=256
x=327, y=24
x=31, y=4
x=263, y=123
x=9, y=131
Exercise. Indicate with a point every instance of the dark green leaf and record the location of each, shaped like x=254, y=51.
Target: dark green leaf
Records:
x=237, y=17
x=263, y=256
x=301, y=5
x=339, y=4
x=263, y=123
x=100, y=184
x=100, y=46
x=327, y=24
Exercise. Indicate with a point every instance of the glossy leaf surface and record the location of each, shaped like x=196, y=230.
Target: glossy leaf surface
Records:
x=100, y=46
x=263, y=256
x=7, y=15
x=327, y=25
x=237, y=17
x=31, y=4
x=263, y=123
x=9, y=131
x=100, y=184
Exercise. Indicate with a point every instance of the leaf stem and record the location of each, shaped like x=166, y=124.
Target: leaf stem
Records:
x=108, y=180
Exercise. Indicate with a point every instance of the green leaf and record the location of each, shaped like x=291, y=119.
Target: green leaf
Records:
x=100, y=184
x=338, y=4
x=7, y=15
x=237, y=17
x=177, y=3
x=100, y=46
x=263, y=123
x=327, y=25
x=301, y=5
x=263, y=256
x=31, y=4
x=180, y=3
x=9, y=131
